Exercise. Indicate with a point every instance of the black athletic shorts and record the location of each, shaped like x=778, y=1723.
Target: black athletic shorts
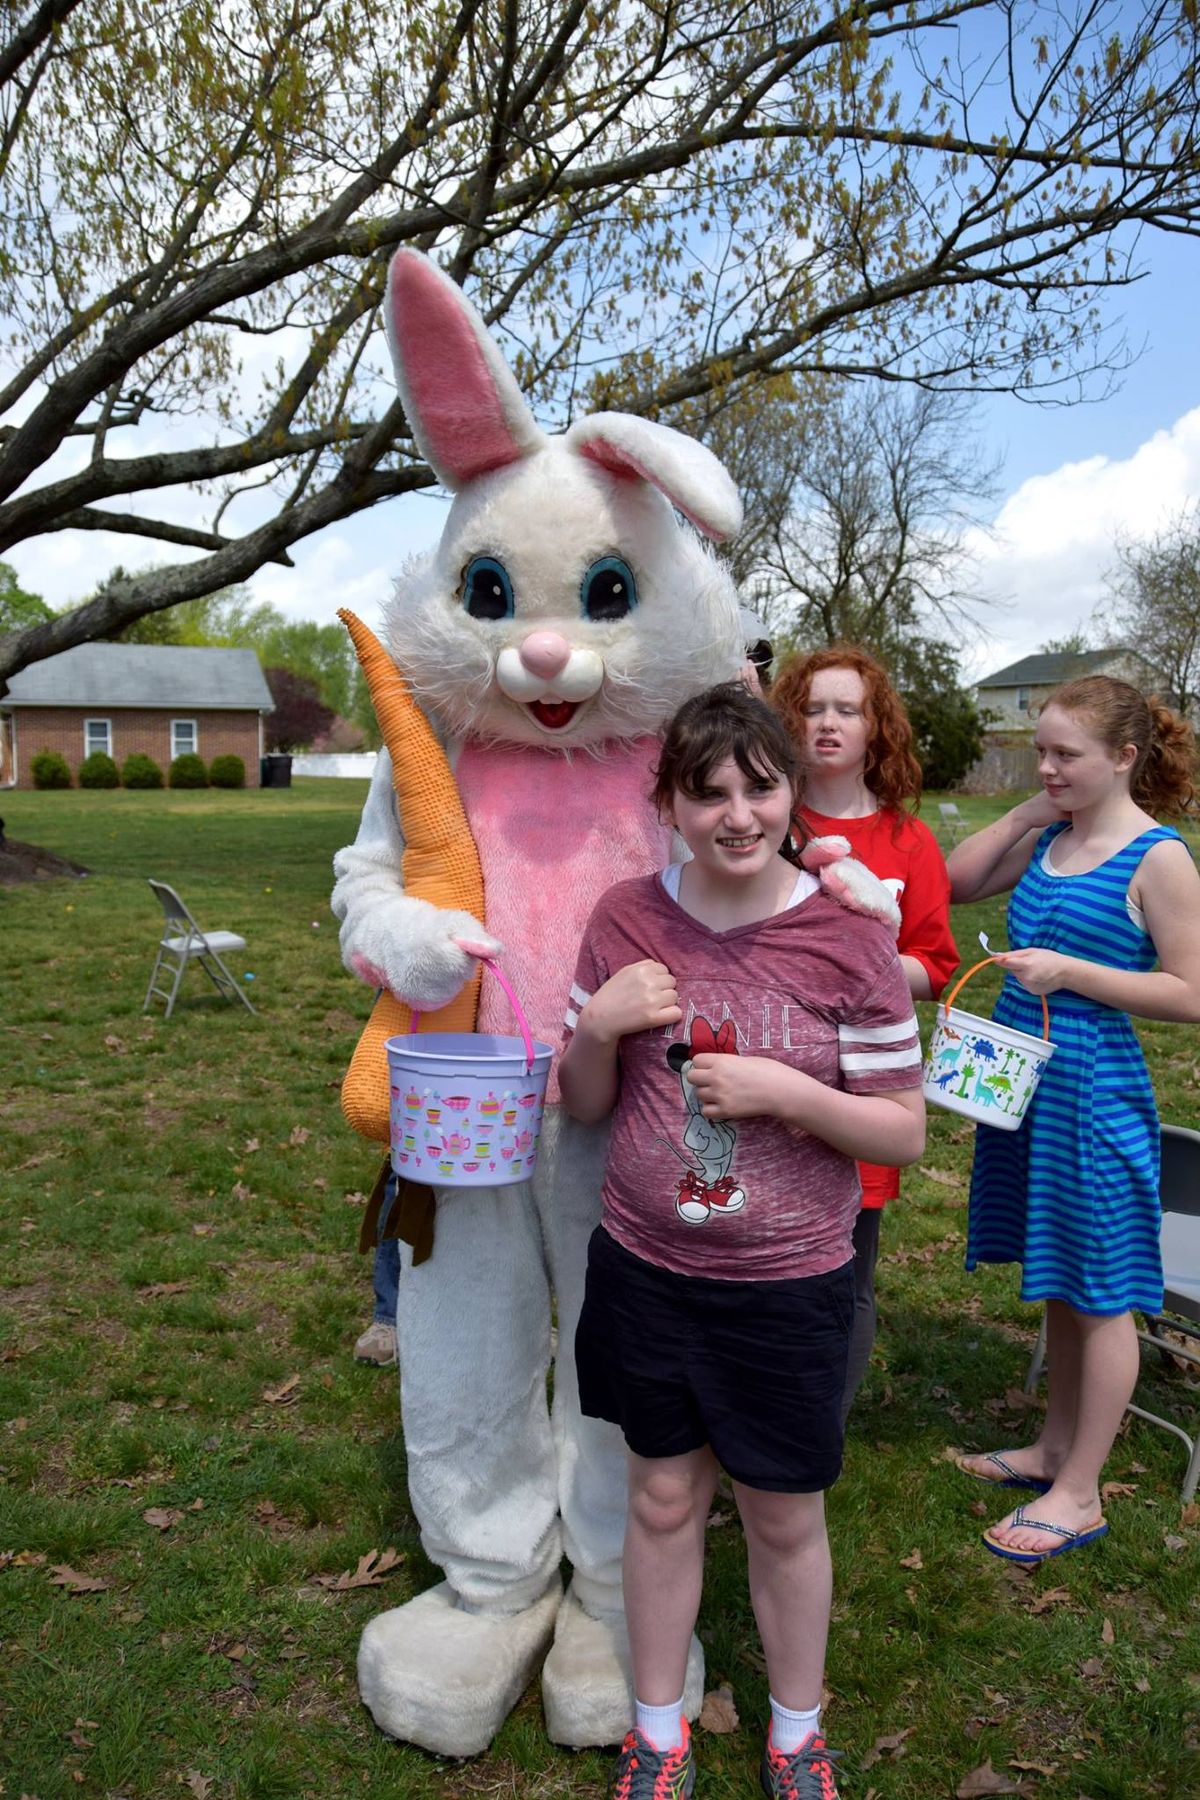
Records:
x=756, y=1369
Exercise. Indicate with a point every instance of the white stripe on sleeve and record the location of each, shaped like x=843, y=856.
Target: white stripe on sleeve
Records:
x=878, y=1034
x=881, y=1059
x=570, y=1018
x=579, y=995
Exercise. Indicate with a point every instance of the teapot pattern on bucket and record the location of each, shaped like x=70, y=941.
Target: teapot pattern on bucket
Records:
x=467, y=1135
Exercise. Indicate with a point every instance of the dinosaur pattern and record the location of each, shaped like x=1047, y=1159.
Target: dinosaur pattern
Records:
x=993, y=1079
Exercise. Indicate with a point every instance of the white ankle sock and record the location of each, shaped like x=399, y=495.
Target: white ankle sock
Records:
x=790, y=1729
x=662, y=1725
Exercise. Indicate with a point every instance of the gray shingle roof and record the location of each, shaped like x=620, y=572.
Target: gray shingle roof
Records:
x=1053, y=666
x=198, y=677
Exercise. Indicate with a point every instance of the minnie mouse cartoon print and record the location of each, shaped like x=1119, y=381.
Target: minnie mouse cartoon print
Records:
x=711, y=1188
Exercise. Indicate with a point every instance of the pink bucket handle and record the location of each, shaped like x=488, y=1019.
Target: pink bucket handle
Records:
x=518, y=1009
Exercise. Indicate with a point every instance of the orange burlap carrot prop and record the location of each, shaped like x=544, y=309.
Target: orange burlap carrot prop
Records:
x=440, y=863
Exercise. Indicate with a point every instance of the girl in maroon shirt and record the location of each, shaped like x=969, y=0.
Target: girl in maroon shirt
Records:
x=724, y=1367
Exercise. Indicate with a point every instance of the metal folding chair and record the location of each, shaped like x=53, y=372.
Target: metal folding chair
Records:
x=952, y=821
x=183, y=943
x=1179, y=1192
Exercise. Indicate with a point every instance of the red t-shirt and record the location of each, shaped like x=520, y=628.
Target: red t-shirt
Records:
x=906, y=857
x=817, y=987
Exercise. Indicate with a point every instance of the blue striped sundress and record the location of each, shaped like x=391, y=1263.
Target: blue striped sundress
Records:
x=1072, y=1194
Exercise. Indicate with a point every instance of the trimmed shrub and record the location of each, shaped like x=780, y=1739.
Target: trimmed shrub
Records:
x=140, y=771
x=188, y=771
x=50, y=770
x=227, y=772
x=98, y=771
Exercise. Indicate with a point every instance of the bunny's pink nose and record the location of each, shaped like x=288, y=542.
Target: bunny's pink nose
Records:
x=545, y=653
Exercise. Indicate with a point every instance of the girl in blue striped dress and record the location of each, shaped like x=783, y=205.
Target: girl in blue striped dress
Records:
x=1102, y=892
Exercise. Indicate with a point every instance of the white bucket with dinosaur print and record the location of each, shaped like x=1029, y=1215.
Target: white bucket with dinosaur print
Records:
x=985, y=1071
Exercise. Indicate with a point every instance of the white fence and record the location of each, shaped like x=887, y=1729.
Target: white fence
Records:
x=339, y=763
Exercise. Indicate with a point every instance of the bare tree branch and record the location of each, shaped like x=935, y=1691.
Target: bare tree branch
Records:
x=661, y=207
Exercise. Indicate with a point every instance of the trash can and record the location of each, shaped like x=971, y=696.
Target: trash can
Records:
x=275, y=771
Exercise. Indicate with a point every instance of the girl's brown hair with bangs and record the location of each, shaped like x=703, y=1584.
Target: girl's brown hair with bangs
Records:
x=892, y=771
x=724, y=722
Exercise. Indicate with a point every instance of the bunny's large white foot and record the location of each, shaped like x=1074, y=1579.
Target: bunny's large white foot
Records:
x=587, y=1679
x=434, y=1675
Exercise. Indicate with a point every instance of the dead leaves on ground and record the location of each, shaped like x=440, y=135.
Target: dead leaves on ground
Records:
x=1117, y=1490
x=893, y=1744
x=61, y=1575
x=719, y=1714
x=1049, y=1597
x=163, y=1517
x=927, y=1253
x=22, y=1559
x=284, y=1394
x=369, y=1572
x=985, y=1780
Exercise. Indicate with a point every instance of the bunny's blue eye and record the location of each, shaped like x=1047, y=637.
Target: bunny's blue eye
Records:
x=487, y=591
x=608, y=590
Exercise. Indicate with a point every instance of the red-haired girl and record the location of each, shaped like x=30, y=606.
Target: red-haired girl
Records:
x=860, y=780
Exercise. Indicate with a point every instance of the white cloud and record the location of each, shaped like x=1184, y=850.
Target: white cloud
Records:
x=1049, y=561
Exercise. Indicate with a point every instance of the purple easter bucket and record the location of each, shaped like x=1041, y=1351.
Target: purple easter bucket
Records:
x=466, y=1106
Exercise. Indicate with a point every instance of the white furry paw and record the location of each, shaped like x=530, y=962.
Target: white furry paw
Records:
x=853, y=884
x=819, y=852
x=425, y=954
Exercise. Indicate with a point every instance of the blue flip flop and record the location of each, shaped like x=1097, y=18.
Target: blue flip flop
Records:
x=1008, y=1478
x=1072, y=1540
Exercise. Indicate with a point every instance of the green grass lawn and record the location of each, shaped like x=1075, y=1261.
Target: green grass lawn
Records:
x=181, y=1420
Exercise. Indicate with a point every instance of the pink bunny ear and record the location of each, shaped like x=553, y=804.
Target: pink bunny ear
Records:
x=466, y=411
x=689, y=475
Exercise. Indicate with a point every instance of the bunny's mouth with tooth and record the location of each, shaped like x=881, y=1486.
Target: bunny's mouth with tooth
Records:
x=554, y=715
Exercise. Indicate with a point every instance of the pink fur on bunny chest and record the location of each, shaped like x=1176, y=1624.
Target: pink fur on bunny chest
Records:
x=553, y=832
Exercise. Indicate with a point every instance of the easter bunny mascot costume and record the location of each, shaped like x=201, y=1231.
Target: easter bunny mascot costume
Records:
x=564, y=616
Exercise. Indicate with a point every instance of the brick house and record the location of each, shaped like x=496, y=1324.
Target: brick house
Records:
x=162, y=699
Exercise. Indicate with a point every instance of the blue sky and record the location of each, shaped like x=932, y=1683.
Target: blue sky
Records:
x=1074, y=477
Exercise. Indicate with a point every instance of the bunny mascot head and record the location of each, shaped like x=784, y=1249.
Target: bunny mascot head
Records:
x=566, y=613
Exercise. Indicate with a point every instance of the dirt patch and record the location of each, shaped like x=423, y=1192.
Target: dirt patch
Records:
x=29, y=862
x=161, y=1118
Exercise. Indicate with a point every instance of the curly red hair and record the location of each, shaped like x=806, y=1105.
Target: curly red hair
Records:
x=892, y=771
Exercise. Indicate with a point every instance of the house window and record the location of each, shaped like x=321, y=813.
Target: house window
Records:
x=1022, y=699
x=184, y=738
x=97, y=735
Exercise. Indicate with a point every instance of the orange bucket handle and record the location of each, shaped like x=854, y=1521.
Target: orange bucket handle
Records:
x=962, y=981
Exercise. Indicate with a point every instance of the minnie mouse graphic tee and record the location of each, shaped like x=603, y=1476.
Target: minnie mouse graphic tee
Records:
x=816, y=986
